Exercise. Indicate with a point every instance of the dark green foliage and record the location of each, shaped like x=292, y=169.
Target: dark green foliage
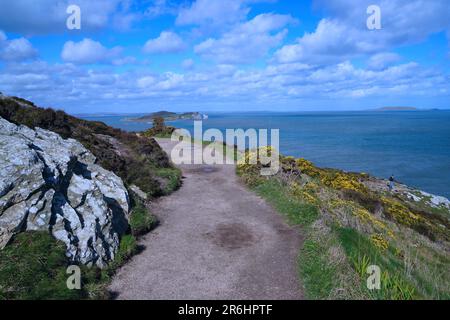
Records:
x=135, y=163
x=158, y=123
x=159, y=129
x=368, y=200
x=24, y=101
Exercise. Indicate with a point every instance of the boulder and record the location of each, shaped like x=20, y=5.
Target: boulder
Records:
x=51, y=184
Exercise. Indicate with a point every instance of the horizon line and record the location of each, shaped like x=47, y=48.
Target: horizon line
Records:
x=252, y=111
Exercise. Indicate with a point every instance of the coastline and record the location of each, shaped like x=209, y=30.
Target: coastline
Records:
x=413, y=193
x=410, y=145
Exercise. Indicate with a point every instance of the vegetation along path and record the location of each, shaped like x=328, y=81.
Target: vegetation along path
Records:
x=217, y=240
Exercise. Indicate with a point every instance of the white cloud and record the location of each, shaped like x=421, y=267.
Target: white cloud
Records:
x=281, y=84
x=88, y=51
x=316, y=66
x=248, y=41
x=124, y=61
x=345, y=34
x=16, y=49
x=383, y=60
x=161, y=7
x=403, y=21
x=49, y=16
x=332, y=41
x=213, y=13
x=146, y=81
x=170, y=81
x=187, y=64
x=167, y=42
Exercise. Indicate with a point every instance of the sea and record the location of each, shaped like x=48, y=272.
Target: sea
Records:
x=414, y=146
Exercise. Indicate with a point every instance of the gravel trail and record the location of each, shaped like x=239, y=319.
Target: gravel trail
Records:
x=216, y=240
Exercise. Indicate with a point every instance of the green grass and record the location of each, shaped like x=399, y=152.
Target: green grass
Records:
x=342, y=274
x=317, y=274
x=95, y=280
x=357, y=245
x=141, y=220
x=362, y=253
x=296, y=211
x=429, y=271
x=314, y=271
x=127, y=248
x=173, y=177
x=34, y=267
x=339, y=244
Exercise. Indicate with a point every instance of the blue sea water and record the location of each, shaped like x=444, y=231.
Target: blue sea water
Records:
x=414, y=146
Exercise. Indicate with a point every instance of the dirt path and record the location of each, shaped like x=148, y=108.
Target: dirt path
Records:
x=217, y=240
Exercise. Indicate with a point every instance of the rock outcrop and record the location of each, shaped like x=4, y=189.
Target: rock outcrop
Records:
x=48, y=183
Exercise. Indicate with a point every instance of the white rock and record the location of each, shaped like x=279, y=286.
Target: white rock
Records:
x=51, y=184
x=436, y=201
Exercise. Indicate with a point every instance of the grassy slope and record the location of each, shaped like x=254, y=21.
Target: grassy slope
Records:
x=318, y=264
x=348, y=226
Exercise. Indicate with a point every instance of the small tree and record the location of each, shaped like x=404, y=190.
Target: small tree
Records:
x=158, y=124
x=159, y=128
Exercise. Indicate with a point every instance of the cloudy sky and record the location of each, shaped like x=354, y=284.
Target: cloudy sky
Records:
x=226, y=55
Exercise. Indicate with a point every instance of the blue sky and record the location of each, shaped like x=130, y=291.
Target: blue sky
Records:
x=226, y=55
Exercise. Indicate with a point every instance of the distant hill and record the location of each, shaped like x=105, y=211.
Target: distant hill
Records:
x=170, y=116
x=396, y=109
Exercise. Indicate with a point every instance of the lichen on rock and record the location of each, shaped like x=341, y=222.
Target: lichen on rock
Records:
x=51, y=184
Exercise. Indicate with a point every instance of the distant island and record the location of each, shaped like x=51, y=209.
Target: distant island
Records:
x=170, y=116
x=397, y=109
